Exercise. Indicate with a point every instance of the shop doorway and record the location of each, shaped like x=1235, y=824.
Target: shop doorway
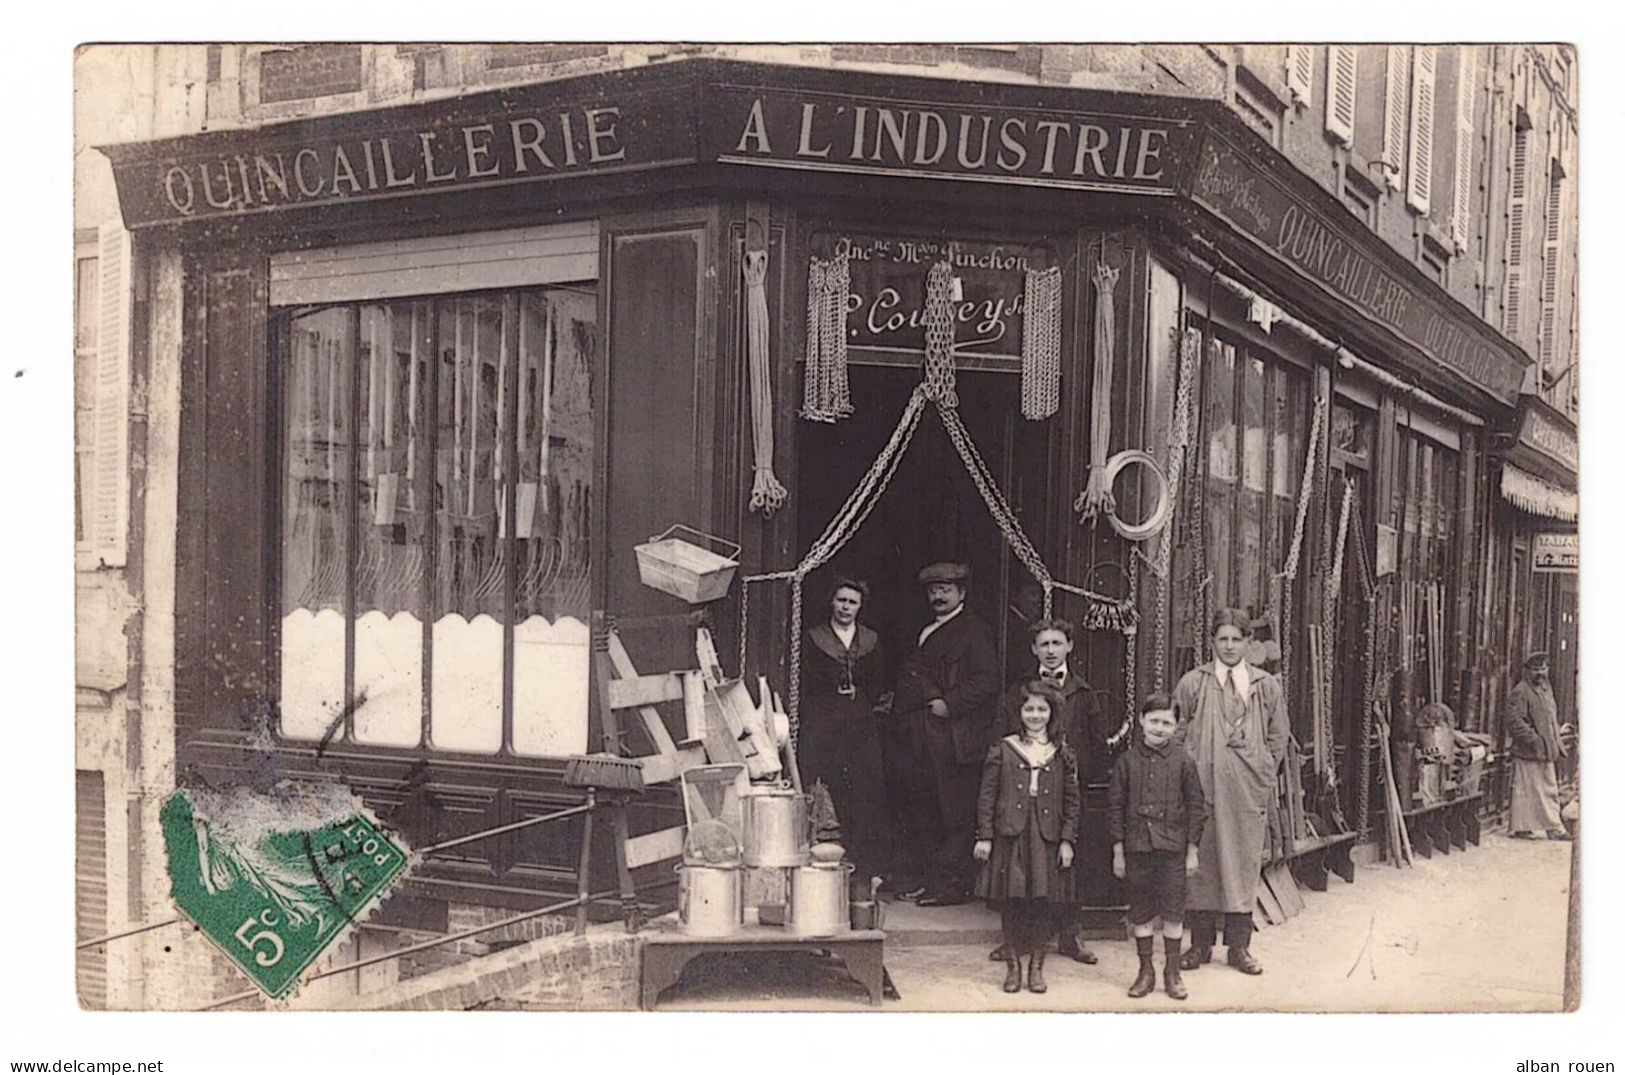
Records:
x=931, y=510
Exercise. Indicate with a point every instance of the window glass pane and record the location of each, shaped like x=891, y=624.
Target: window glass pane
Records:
x=315, y=375
x=388, y=532
x=557, y=339
x=1222, y=467
x=1250, y=499
x=469, y=585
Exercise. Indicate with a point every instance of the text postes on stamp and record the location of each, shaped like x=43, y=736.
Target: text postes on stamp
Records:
x=274, y=880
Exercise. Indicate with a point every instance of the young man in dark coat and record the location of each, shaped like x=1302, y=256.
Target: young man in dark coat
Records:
x=942, y=724
x=1050, y=642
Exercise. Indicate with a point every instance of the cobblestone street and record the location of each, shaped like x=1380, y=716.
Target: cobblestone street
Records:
x=1476, y=930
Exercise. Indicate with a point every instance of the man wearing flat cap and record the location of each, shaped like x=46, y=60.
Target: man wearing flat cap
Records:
x=942, y=723
x=1538, y=741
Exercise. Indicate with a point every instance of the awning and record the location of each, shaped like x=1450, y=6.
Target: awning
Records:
x=1529, y=493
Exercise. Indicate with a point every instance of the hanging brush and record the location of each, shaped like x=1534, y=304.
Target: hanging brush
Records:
x=604, y=771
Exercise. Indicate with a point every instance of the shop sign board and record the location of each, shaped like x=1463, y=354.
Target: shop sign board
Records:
x=516, y=140
x=886, y=303
x=1346, y=260
x=1556, y=553
x=841, y=132
x=1550, y=437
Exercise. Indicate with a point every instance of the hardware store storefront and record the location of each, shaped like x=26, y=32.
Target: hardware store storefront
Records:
x=442, y=366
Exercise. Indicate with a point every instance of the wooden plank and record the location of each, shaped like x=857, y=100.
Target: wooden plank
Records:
x=658, y=735
x=655, y=846
x=659, y=768
x=720, y=745
x=625, y=693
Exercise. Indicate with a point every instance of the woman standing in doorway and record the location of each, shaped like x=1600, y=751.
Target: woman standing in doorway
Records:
x=1235, y=728
x=842, y=676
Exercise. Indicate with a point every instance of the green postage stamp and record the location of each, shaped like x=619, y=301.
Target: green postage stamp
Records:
x=274, y=879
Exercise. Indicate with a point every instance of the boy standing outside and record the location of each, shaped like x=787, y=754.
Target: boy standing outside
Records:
x=1156, y=812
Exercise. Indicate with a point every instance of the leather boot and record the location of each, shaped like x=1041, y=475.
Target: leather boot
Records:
x=1172, y=983
x=1035, y=972
x=1012, y=974
x=1243, y=960
x=1195, y=956
x=1146, y=980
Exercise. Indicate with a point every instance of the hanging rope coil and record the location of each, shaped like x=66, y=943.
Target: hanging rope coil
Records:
x=767, y=492
x=1180, y=438
x=1041, y=344
x=826, y=395
x=1290, y=570
x=1096, y=498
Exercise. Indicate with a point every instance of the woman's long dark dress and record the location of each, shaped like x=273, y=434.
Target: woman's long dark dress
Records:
x=839, y=741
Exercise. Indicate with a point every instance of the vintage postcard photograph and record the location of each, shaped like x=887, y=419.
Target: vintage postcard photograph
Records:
x=826, y=527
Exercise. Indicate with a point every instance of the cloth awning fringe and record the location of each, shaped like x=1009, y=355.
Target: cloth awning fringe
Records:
x=1528, y=493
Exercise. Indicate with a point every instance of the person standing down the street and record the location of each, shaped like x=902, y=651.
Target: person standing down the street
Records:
x=1051, y=644
x=941, y=724
x=1538, y=741
x=1026, y=830
x=1156, y=814
x=1235, y=729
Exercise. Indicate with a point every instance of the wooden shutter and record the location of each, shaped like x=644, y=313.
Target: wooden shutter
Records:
x=1419, y=190
x=1517, y=225
x=1549, y=270
x=106, y=522
x=90, y=885
x=1340, y=84
x=1300, y=73
x=1461, y=217
x=1393, y=116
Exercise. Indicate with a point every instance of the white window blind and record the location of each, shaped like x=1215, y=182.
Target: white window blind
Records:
x=1340, y=84
x=1517, y=225
x=438, y=265
x=1395, y=96
x=1549, y=270
x=1300, y=73
x=1461, y=215
x=106, y=525
x=1419, y=189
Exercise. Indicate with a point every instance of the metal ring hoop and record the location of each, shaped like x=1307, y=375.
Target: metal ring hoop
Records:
x=1159, y=516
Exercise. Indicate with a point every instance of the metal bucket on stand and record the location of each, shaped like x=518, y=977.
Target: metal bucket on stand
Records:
x=710, y=900
x=820, y=904
x=776, y=828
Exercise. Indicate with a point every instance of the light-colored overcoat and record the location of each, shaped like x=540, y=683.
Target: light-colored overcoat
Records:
x=1237, y=761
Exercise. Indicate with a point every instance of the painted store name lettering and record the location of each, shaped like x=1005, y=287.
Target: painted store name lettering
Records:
x=517, y=146
x=980, y=142
x=1540, y=433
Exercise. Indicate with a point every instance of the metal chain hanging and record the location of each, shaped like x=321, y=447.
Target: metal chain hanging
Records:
x=767, y=492
x=1180, y=438
x=825, y=394
x=1096, y=498
x=1041, y=344
x=939, y=336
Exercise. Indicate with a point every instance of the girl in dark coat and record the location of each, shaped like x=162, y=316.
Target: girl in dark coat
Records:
x=1026, y=827
x=842, y=671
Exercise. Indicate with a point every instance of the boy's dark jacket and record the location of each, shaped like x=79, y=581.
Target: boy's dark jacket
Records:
x=1156, y=801
x=1001, y=809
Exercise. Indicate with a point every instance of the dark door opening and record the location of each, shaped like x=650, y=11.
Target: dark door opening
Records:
x=931, y=510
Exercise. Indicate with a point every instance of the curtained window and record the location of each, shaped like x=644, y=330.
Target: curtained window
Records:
x=413, y=614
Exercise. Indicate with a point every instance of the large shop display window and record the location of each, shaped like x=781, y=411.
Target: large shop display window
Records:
x=414, y=613
x=1254, y=414
x=1427, y=496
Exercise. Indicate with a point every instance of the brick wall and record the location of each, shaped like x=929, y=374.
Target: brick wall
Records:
x=594, y=972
